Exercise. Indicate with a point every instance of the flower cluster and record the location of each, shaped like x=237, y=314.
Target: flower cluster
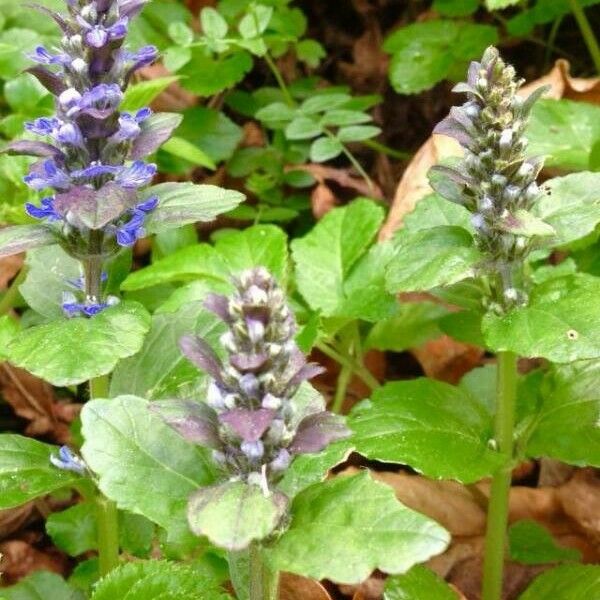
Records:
x=251, y=419
x=91, y=158
x=495, y=180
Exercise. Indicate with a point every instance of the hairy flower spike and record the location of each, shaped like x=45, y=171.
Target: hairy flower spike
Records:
x=495, y=180
x=251, y=419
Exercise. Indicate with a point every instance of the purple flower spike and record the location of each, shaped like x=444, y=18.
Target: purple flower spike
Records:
x=67, y=461
x=249, y=425
x=44, y=211
x=137, y=175
x=99, y=102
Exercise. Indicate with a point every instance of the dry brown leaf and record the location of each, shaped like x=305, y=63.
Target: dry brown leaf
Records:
x=371, y=589
x=414, y=185
x=20, y=558
x=368, y=70
x=174, y=98
x=12, y=519
x=295, y=587
x=9, y=267
x=322, y=200
x=447, y=359
x=253, y=135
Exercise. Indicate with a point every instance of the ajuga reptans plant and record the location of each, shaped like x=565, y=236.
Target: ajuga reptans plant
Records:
x=495, y=181
x=90, y=162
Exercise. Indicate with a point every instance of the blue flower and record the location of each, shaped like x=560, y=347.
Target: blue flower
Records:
x=46, y=210
x=79, y=283
x=67, y=461
x=128, y=233
x=44, y=126
x=138, y=174
x=97, y=36
x=99, y=102
x=70, y=134
x=46, y=175
x=140, y=58
x=129, y=125
x=96, y=169
x=42, y=56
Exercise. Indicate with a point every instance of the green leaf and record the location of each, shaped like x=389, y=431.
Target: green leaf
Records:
x=160, y=370
x=207, y=76
x=464, y=326
x=436, y=428
x=234, y=514
x=181, y=148
x=325, y=256
x=564, y=131
x=560, y=323
x=324, y=102
x=310, y=52
x=143, y=93
x=276, y=113
x=357, y=133
x=572, y=207
x=26, y=471
x=9, y=328
x=136, y=534
x=416, y=584
x=525, y=224
x=531, y=544
x=156, y=579
x=430, y=258
x=71, y=351
x=25, y=237
x=567, y=582
x=499, y=4
x=14, y=44
x=23, y=93
x=455, y=8
x=413, y=324
x=342, y=117
x=433, y=211
x=325, y=149
x=256, y=21
x=42, y=585
x=74, y=530
x=566, y=423
x=428, y=52
x=213, y=24
x=183, y=203
x=126, y=446
x=302, y=128
x=347, y=527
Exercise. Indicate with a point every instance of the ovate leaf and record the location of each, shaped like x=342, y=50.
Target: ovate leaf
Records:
x=560, y=323
x=71, y=351
x=142, y=464
x=568, y=582
x=74, y=530
x=26, y=471
x=234, y=514
x=436, y=428
x=24, y=237
x=531, y=544
x=419, y=582
x=41, y=585
x=347, y=527
x=141, y=94
x=182, y=203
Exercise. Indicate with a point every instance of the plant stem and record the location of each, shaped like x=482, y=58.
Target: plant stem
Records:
x=264, y=583
x=12, y=293
x=379, y=147
x=108, y=534
x=358, y=369
x=587, y=32
x=280, y=81
x=346, y=348
x=497, y=517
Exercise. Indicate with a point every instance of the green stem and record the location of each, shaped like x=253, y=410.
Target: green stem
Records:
x=264, y=583
x=379, y=147
x=289, y=100
x=358, y=369
x=587, y=32
x=12, y=293
x=108, y=534
x=497, y=517
x=346, y=348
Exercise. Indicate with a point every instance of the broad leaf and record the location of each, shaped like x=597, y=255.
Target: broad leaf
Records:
x=142, y=464
x=325, y=256
x=26, y=471
x=71, y=351
x=430, y=258
x=560, y=323
x=74, y=530
x=157, y=579
x=24, y=237
x=325, y=148
x=182, y=203
x=436, y=428
x=565, y=132
x=41, y=585
x=234, y=514
x=159, y=369
x=531, y=544
x=572, y=207
x=141, y=94
x=566, y=424
x=434, y=211
x=419, y=582
x=347, y=527
x=568, y=582
x=155, y=131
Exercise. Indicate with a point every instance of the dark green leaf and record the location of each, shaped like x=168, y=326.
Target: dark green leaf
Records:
x=74, y=530
x=420, y=583
x=143, y=93
x=531, y=544
x=568, y=582
x=41, y=585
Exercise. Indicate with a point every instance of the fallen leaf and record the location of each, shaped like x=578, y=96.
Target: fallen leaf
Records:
x=20, y=558
x=296, y=587
x=9, y=267
x=13, y=519
x=322, y=200
x=174, y=98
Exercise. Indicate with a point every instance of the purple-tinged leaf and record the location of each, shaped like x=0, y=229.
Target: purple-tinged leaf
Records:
x=533, y=98
x=94, y=208
x=317, y=431
x=248, y=362
x=202, y=355
x=54, y=84
x=130, y=8
x=24, y=237
x=219, y=305
x=448, y=183
x=473, y=73
x=155, y=131
x=308, y=371
x=33, y=148
x=194, y=421
x=65, y=27
x=452, y=128
x=248, y=424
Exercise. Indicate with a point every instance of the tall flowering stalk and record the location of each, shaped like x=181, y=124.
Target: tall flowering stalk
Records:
x=91, y=165
x=251, y=419
x=497, y=184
